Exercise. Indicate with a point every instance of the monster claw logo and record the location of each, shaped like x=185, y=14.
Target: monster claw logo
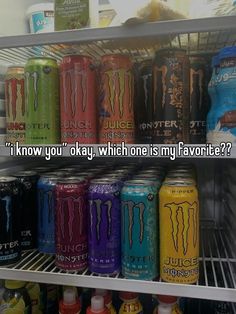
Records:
x=183, y=216
x=5, y=203
x=67, y=208
x=196, y=85
x=119, y=83
x=75, y=91
x=15, y=96
x=99, y=208
x=35, y=80
x=160, y=88
x=46, y=197
x=131, y=210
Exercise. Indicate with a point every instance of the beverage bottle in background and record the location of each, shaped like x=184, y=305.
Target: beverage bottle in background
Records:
x=15, y=298
x=70, y=303
x=107, y=295
x=170, y=302
x=97, y=306
x=164, y=309
x=49, y=297
x=131, y=303
x=33, y=290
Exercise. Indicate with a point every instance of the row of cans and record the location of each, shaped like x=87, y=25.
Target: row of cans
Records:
x=108, y=220
x=163, y=100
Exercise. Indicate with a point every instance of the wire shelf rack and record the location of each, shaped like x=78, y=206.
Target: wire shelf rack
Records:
x=199, y=36
x=217, y=268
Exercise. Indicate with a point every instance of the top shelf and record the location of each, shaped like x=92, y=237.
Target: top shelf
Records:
x=205, y=35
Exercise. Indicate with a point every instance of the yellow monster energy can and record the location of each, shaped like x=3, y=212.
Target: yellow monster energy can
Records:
x=179, y=231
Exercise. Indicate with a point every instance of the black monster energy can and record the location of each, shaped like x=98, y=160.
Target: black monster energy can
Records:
x=171, y=97
x=10, y=248
x=28, y=208
x=199, y=99
x=143, y=102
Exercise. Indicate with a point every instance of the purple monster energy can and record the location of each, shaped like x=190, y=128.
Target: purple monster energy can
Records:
x=105, y=226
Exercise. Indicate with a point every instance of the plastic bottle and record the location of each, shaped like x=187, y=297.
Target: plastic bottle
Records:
x=131, y=303
x=15, y=298
x=168, y=301
x=107, y=299
x=97, y=306
x=70, y=304
x=212, y=91
x=164, y=309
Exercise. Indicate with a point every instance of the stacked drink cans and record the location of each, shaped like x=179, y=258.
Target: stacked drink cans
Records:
x=141, y=221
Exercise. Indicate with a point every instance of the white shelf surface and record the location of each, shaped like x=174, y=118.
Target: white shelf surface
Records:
x=217, y=273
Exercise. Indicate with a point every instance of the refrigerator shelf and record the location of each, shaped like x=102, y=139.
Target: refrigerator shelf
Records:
x=217, y=268
x=206, y=35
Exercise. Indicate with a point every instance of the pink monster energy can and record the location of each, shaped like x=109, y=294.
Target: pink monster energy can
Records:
x=71, y=224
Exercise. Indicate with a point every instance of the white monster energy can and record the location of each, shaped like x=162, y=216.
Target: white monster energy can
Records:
x=179, y=231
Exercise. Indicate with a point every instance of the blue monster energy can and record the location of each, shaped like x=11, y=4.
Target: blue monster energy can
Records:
x=105, y=226
x=139, y=229
x=46, y=213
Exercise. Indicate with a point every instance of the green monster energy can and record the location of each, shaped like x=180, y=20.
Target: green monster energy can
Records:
x=139, y=212
x=42, y=101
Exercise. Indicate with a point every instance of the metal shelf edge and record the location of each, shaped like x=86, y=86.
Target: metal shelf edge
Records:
x=199, y=292
x=121, y=32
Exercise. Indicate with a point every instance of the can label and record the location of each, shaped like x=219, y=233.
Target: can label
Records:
x=131, y=308
x=116, y=115
x=139, y=236
x=42, y=22
x=71, y=14
x=46, y=221
x=15, y=108
x=42, y=102
x=171, y=99
x=71, y=233
x=78, y=100
x=104, y=236
x=199, y=100
x=179, y=234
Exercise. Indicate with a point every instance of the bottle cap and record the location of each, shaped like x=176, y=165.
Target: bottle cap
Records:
x=167, y=299
x=227, y=52
x=215, y=62
x=128, y=295
x=14, y=284
x=164, y=309
x=69, y=296
x=97, y=303
x=105, y=294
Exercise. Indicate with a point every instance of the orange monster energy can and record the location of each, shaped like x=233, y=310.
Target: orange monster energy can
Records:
x=116, y=97
x=179, y=231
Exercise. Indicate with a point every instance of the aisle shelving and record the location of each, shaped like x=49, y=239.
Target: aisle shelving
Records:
x=217, y=273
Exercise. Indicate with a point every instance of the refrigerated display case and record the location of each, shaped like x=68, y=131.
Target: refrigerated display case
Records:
x=217, y=183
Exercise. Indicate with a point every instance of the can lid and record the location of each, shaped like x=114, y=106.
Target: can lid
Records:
x=128, y=295
x=14, y=284
x=179, y=182
x=227, y=52
x=103, y=181
x=167, y=299
x=139, y=182
x=7, y=179
x=51, y=175
x=71, y=180
x=168, y=52
x=27, y=173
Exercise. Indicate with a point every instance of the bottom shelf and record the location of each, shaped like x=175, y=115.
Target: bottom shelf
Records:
x=217, y=273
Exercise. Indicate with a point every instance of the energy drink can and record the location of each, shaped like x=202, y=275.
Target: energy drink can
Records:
x=28, y=208
x=143, y=103
x=10, y=246
x=78, y=100
x=105, y=225
x=15, y=104
x=171, y=97
x=131, y=303
x=116, y=114
x=179, y=232
x=139, y=230
x=42, y=101
x=46, y=212
x=199, y=99
x=71, y=224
